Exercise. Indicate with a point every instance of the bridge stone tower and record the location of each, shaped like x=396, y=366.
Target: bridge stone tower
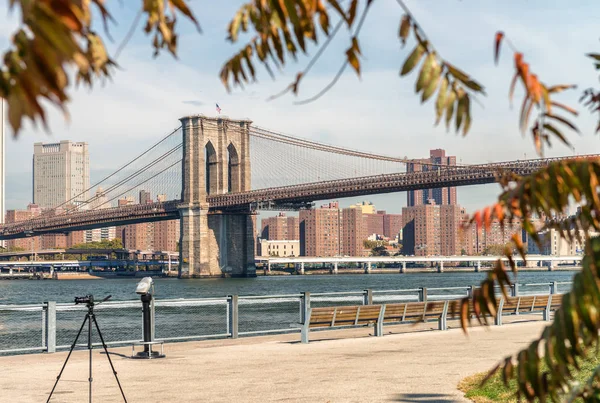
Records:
x=216, y=160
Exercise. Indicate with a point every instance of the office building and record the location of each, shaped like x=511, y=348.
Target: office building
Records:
x=442, y=196
x=61, y=172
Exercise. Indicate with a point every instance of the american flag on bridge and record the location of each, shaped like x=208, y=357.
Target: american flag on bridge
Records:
x=218, y=109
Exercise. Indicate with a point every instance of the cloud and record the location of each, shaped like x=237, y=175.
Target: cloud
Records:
x=194, y=103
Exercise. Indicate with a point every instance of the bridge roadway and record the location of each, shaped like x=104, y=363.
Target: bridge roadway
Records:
x=294, y=196
x=403, y=260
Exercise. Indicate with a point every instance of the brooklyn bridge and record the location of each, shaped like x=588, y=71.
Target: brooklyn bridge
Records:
x=215, y=173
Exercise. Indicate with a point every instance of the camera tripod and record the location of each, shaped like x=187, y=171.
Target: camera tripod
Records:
x=89, y=318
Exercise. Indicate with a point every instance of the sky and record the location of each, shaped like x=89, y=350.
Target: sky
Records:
x=377, y=112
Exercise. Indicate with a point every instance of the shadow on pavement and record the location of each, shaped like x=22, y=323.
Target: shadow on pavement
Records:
x=424, y=397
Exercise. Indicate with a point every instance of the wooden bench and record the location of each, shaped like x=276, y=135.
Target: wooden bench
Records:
x=376, y=315
x=524, y=305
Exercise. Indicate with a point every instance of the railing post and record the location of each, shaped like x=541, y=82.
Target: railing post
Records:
x=232, y=310
x=422, y=294
x=368, y=297
x=554, y=287
x=514, y=290
x=50, y=333
x=304, y=306
x=470, y=290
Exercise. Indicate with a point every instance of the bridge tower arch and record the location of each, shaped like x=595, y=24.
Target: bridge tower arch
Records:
x=216, y=160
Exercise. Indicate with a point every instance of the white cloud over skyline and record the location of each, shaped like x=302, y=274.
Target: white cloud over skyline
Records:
x=378, y=113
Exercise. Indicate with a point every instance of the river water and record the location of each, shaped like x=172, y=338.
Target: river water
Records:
x=36, y=291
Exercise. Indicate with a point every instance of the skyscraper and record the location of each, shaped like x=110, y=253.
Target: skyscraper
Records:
x=61, y=172
x=441, y=196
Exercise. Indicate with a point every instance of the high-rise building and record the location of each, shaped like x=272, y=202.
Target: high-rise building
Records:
x=392, y=225
x=145, y=197
x=280, y=228
x=61, y=172
x=430, y=229
x=353, y=231
x=320, y=231
x=441, y=196
x=166, y=235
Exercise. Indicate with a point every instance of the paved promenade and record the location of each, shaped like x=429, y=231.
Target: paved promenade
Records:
x=411, y=366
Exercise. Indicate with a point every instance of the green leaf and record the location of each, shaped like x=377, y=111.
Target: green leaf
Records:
x=557, y=133
x=464, y=78
x=412, y=60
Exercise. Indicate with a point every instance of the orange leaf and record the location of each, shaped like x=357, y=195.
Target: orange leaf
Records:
x=487, y=221
x=477, y=218
x=499, y=212
x=499, y=37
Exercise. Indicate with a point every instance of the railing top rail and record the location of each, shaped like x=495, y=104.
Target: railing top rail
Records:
x=325, y=294
x=297, y=295
x=28, y=307
x=448, y=288
x=390, y=291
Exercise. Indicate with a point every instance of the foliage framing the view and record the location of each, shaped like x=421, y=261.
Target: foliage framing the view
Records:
x=57, y=36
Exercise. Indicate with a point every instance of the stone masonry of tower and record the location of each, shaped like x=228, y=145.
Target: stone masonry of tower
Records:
x=216, y=160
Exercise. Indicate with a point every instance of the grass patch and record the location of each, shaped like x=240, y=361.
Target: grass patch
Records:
x=495, y=391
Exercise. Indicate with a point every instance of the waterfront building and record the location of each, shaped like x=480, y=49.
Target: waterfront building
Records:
x=441, y=196
x=61, y=172
x=320, y=231
x=392, y=225
x=280, y=228
x=552, y=244
x=431, y=229
x=353, y=231
x=279, y=248
x=31, y=243
x=166, y=235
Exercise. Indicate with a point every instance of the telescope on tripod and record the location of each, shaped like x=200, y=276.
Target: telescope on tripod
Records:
x=145, y=288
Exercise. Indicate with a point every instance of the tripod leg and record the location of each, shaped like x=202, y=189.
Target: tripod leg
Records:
x=68, y=356
x=90, y=379
x=108, y=356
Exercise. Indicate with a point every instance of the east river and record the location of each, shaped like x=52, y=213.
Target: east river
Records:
x=37, y=291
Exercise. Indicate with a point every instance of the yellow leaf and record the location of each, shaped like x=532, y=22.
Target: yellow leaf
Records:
x=413, y=59
x=441, y=100
x=404, y=28
x=434, y=79
x=425, y=73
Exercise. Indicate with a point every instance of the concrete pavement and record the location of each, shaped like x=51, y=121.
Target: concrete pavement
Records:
x=415, y=365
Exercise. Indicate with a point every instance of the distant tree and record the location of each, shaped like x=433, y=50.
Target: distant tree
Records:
x=379, y=251
x=116, y=243
x=368, y=244
x=494, y=250
x=463, y=252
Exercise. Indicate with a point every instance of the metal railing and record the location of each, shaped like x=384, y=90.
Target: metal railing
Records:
x=52, y=326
